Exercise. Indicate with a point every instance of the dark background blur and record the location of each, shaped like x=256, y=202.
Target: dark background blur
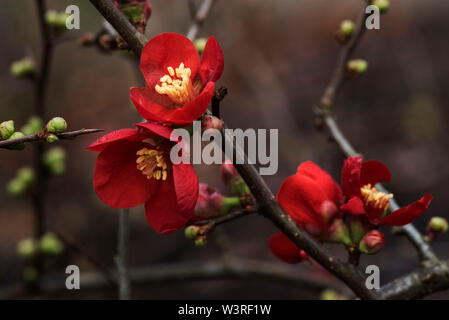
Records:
x=279, y=56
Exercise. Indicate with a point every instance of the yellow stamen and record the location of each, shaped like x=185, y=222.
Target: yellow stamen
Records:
x=178, y=85
x=375, y=199
x=152, y=163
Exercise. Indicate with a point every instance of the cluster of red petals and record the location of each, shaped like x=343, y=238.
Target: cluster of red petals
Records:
x=170, y=50
x=311, y=197
x=169, y=203
x=356, y=174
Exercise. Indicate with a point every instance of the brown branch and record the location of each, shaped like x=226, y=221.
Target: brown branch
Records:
x=41, y=136
x=200, y=17
x=266, y=200
x=324, y=112
x=193, y=271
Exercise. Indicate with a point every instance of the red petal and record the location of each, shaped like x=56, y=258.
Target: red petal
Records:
x=350, y=176
x=211, y=61
x=407, y=214
x=106, y=140
x=117, y=181
x=354, y=206
x=167, y=211
x=283, y=248
x=153, y=127
x=323, y=179
x=167, y=50
x=374, y=172
x=183, y=115
x=291, y=199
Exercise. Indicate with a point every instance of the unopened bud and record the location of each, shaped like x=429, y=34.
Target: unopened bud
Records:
x=56, y=125
x=200, y=44
x=372, y=242
x=33, y=126
x=437, y=226
x=51, y=138
x=51, y=245
x=191, y=232
x=357, y=67
x=233, y=180
x=16, y=187
x=56, y=20
x=26, y=248
x=212, y=204
x=26, y=175
x=86, y=39
x=17, y=146
x=200, y=241
x=383, y=5
x=54, y=160
x=358, y=228
x=347, y=27
x=337, y=232
x=210, y=122
x=330, y=294
x=23, y=68
x=328, y=211
x=6, y=129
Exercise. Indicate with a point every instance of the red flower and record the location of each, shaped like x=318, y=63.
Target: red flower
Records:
x=134, y=168
x=179, y=86
x=311, y=197
x=358, y=180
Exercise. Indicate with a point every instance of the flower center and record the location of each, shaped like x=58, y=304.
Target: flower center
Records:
x=177, y=85
x=375, y=199
x=152, y=163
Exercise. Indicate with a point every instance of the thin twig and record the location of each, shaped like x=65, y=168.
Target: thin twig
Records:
x=192, y=8
x=123, y=255
x=324, y=112
x=199, y=19
x=41, y=136
x=192, y=271
x=266, y=200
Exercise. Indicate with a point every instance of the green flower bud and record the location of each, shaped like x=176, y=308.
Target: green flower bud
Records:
x=338, y=232
x=30, y=274
x=357, y=67
x=191, y=232
x=200, y=44
x=6, y=129
x=17, y=146
x=54, y=160
x=56, y=20
x=347, y=27
x=33, y=126
x=16, y=187
x=51, y=138
x=26, y=248
x=51, y=245
x=200, y=241
x=26, y=175
x=56, y=125
x=23, y=68
x=383, y=5
x=437, y=226
x=330, y=294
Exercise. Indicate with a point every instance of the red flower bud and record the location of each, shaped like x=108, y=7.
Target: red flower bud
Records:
x=210, y=122
x=372, y=242
x=211, y=203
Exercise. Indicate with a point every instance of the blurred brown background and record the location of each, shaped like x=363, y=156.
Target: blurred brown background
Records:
x=278, y=58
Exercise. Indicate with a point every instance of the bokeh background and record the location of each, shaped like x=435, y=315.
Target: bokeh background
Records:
x=279, y=56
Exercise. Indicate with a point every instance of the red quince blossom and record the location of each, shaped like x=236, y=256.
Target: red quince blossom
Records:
x=358, y=180
x=134, y=168
x=312, y=198
x=178, y=84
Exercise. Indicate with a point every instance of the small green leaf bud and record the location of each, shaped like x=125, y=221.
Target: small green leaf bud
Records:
x=56, y=125
x=6, y=129
x=54, y=160
x=383, y=5
x=191, y=232
x=26, y=248
x=347, y=27
x=357, y=67
x=17, y=146
x=26, y=175
x=16, y=187
x=33, y=126
x=51, y=138
x=23, y=68
x=200, y=241
x=51, y=245
x=437, y=226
